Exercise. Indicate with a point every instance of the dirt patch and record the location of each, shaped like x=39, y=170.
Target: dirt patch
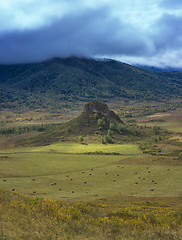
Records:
x=159, y=115
x=175, y=138
x=171, y=116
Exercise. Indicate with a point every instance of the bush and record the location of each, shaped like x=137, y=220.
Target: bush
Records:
x=112, y=126
x=102, y=140
x=81, y=139
x=108, y=139
x=103, y=122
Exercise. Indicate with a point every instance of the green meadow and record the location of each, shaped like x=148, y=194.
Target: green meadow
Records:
x=75, y=148
x=90, y=148
x=67, y=171
x=93, y=191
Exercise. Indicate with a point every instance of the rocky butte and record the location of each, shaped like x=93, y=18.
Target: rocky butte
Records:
x=101, y=109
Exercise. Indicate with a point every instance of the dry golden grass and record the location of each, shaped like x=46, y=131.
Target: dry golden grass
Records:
x=29, y=219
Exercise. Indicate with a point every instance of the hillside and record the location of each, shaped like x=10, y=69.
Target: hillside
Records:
x=96, y=124
x=51, y=83
x=93, y=123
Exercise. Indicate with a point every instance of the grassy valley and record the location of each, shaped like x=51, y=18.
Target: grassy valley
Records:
x=62, y=181
x=75, y=168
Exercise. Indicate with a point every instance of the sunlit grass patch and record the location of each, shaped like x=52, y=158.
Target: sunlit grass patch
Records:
x=91, y=148
x=75, y=148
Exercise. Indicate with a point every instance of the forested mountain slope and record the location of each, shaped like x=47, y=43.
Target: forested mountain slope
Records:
x=51, y=82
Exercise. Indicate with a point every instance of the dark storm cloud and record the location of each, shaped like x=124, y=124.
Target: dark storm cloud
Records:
x=89, y=34
x=168, y=33
x=31, y=31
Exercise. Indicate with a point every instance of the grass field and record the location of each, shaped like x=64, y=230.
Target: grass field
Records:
x=59, y=192
x=130, y=149
x=75, y=148
x=92, y=191
x=129, y=219
x=170, y=126
x=57, y=173
x=170, y=121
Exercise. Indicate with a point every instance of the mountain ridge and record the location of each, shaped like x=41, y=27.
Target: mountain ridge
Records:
x=82, y=79
x=160, y=69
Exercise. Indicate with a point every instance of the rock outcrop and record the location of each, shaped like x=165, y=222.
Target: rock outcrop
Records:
x=101, y=109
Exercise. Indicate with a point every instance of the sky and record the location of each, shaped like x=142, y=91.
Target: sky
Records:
x=133, y=31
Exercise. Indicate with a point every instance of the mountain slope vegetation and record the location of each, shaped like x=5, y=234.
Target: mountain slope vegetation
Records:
x=48, y=84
